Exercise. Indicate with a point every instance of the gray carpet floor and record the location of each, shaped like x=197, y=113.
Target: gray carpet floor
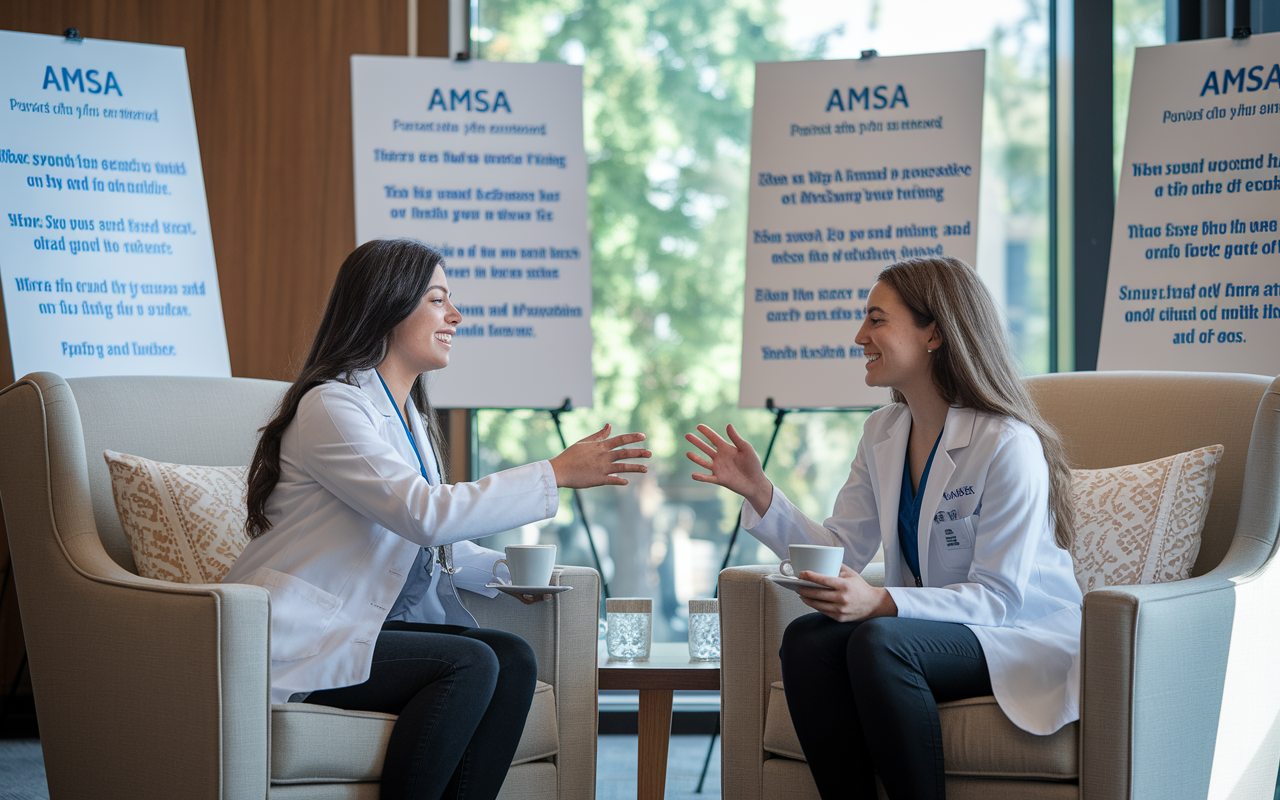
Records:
x=616, y=768
x=22, y=769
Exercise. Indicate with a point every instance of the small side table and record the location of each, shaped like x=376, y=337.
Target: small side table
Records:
x=667, y=669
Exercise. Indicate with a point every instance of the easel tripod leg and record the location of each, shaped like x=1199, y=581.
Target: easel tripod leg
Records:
x=706, y=764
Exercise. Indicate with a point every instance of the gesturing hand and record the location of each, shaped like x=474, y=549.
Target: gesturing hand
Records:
x=846, y=598
x=595, y=461
x=734, y=465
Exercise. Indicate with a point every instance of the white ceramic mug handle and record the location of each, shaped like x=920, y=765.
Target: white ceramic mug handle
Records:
x=495, y=572
x=786, y=569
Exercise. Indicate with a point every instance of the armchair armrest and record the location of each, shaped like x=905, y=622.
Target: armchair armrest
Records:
x=1178, y=693
x=186, y=668
x=874, y=573
x=563, y=632
x=754, y=613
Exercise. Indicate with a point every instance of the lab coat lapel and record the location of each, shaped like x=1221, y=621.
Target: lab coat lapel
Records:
x=372, y=387
x=955, y=435
x=428, y=452
x=890, y=454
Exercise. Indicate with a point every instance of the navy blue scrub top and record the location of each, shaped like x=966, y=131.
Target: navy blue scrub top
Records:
x=909, y=512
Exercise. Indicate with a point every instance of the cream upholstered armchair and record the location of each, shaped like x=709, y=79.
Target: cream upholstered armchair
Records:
x=1179, y=695
x=148, y=689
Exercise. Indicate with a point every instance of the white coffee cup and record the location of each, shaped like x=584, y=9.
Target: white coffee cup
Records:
x=529, y=564
x=817, y=558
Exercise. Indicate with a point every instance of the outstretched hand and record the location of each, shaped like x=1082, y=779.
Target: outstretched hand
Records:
x=596, y=460
x=733, y=464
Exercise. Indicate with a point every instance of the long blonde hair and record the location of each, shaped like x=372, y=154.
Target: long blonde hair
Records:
x=973, y=366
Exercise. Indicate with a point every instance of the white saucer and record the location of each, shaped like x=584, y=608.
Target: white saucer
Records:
x=516, y=591
x=794, y=583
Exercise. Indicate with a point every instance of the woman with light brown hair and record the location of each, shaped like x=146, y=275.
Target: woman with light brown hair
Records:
x=968, y=490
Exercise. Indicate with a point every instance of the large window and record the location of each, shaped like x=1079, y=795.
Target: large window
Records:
x=1138, y=23
x=668, y=93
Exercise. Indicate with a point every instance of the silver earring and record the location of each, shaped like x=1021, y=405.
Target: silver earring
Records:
x=928, y=351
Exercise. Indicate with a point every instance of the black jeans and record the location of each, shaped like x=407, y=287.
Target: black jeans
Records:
x=462, y=695
x=863, y=698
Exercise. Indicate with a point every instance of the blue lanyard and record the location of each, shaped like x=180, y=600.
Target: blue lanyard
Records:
x=413, y=442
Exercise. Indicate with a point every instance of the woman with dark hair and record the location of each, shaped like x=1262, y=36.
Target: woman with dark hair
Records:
x=362, y=544
x=968, y=490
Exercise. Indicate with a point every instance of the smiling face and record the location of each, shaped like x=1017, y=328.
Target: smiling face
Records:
x=897, y=350
x=421, y=342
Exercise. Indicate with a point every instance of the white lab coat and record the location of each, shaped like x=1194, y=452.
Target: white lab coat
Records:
x=987, y=555
x=349, y=517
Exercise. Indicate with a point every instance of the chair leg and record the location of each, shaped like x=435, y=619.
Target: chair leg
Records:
x=707, y=762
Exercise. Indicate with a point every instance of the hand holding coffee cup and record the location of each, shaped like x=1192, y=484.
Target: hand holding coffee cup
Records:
x=839, y=592
x=822, y=559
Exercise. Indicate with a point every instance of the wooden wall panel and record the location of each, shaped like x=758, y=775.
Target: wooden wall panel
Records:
x=284, y=102
x=433, y=28
x=271, y=87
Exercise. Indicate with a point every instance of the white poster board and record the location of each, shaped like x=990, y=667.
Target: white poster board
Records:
x=485, y=162
x=106, y=258
x=854, y=165
x=1194, y=281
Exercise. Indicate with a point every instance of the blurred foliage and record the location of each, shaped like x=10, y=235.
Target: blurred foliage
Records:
x=1016, y=120
x=1138, y=23
x=1015, y=156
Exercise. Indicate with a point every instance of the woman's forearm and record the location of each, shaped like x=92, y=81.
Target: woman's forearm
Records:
x=760, y=497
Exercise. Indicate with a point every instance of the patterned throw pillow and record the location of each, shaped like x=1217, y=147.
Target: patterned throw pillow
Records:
x=184, y=524
x=1141, y=523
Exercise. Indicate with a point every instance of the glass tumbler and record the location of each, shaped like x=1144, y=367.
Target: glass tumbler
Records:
x=704, y=630
x=629, y=622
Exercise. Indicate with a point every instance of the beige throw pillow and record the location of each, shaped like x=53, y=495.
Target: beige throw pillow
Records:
x=1141, y=523
x=185, y=524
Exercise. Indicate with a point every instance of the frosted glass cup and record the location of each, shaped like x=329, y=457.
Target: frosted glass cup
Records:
x=629, y=627
x=817, y=558
x=529, y=564
x=704, y=630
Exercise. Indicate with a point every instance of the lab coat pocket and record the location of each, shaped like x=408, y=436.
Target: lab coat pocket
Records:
x=301, y=613
x=954, y=541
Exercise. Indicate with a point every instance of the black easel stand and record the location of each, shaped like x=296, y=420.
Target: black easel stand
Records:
x=778, y=414
x=1241, y=28
x=577, y=498
x=706, y=764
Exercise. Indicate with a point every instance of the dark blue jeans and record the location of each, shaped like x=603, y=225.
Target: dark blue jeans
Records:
x=462, y=695
x=863, y=698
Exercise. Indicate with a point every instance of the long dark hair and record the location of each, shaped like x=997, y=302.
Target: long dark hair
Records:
x=378, y=286
x=973, y=367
